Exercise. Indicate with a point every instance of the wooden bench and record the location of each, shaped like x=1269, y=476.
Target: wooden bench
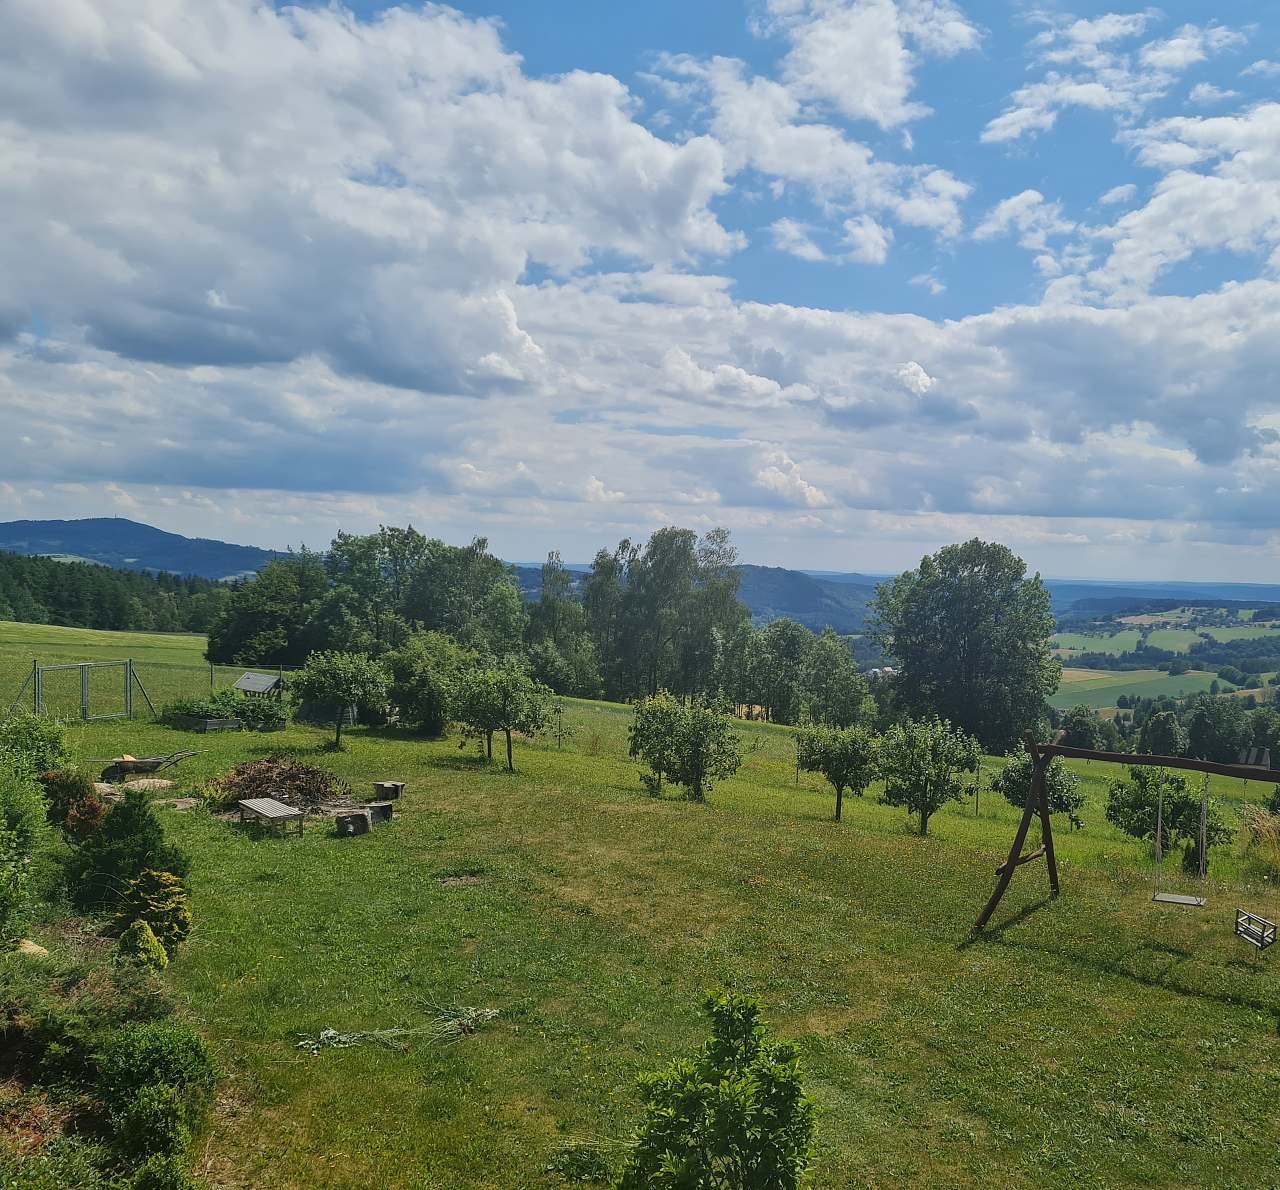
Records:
x=275, y=814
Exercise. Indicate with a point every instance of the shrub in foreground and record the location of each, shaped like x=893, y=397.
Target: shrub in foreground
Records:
x=163, y=1171
x=140, y=946
x=163, y=1054
x=160, y=900
x=153, y=1122
x=130, y=841
x=733, y=1114
x=37, y=739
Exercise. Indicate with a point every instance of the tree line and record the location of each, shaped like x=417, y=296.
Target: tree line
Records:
x=38, y=590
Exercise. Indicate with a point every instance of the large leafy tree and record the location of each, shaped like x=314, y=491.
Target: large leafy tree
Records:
x=1218, y=729
x=923, y=763
x=1163, y=735
x=425, y=672
x=837, y=694
x=268, y=620
x=971, y=636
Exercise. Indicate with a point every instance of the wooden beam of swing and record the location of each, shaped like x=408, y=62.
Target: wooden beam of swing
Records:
x=1246, y=772
x=1022, y=859
x=1036, y=803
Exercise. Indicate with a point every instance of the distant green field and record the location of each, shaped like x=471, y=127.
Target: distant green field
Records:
x=168, y=665
x=1176, y=640
x=1081, y=642
x=1251, y=632
x=1101, y=688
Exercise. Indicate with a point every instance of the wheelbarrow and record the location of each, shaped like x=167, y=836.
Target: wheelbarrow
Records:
x=129, y=766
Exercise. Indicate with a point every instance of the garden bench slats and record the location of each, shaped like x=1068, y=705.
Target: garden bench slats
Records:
x=274, y=813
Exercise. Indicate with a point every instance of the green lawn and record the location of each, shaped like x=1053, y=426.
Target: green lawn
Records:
x=1096, y=1040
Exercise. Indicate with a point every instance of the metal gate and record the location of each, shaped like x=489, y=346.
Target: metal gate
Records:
x=128, y=679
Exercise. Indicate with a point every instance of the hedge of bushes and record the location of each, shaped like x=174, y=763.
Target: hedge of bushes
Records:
x=94, y=1042
x=255, y=714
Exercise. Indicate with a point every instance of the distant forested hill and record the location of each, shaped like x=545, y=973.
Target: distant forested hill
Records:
x=128, y=545
x=84, y=595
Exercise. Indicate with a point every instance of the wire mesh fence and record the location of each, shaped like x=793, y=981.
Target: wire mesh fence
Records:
x=71, y=691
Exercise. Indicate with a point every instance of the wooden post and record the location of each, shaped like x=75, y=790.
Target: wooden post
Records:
x=128, y=687
x=1006, y=869
x=1039, y=786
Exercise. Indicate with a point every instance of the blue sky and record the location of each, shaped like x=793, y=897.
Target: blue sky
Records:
x=854, y=278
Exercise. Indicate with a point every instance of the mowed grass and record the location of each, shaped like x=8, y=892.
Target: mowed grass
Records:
x=1094, y=1040
x=1101, y=687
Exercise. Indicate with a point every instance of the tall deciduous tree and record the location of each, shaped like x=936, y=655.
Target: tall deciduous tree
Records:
x=1218, y=729
x=971, y=635
x=1163, y=735
x=923, y=763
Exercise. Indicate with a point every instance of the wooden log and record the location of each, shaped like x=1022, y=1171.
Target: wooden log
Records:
x=380, y=812
x=386, y=791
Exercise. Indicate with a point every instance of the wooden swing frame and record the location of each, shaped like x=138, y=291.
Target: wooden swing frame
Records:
x=1037, y=803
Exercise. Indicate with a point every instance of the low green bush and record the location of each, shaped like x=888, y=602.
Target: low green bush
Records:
x=159, y=900
x=15, y=888
x=140, y=946
x=255, y=714
x=163, y=1171
x=130, y=841
x=164, y=1053
x=39, y=740
x=22, y=804
x=64, y=789
x=153, y=1122
x=732, y=1114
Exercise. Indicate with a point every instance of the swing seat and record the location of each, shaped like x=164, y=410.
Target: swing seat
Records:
x=1255, y=930
x=1163, y=898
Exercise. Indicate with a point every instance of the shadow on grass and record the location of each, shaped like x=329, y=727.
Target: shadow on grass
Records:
x=1123, y=965
x=992, y=933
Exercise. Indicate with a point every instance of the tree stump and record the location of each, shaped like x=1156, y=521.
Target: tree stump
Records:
x=380, y=812
x=386, y=791
x=352, y=822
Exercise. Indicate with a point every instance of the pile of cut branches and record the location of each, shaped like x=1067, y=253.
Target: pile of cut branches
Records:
x=285, y=779
x=449, y=1024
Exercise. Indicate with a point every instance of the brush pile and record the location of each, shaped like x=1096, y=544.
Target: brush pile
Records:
x=287, y=780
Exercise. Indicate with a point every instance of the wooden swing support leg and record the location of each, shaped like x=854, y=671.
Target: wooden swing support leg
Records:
x=1036, y=804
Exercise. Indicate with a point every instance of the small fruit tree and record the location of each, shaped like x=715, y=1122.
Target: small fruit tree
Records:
x=693, y=746
x=845, y=756
x=1061, y=786
x=342, y=680
x=922, y=762
x=504, y=699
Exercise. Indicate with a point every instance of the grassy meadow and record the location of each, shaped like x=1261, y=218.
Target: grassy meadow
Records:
x=1101, y=687
x=1093, y=1040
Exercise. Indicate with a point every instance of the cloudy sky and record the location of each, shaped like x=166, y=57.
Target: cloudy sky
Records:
x=854, y=278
